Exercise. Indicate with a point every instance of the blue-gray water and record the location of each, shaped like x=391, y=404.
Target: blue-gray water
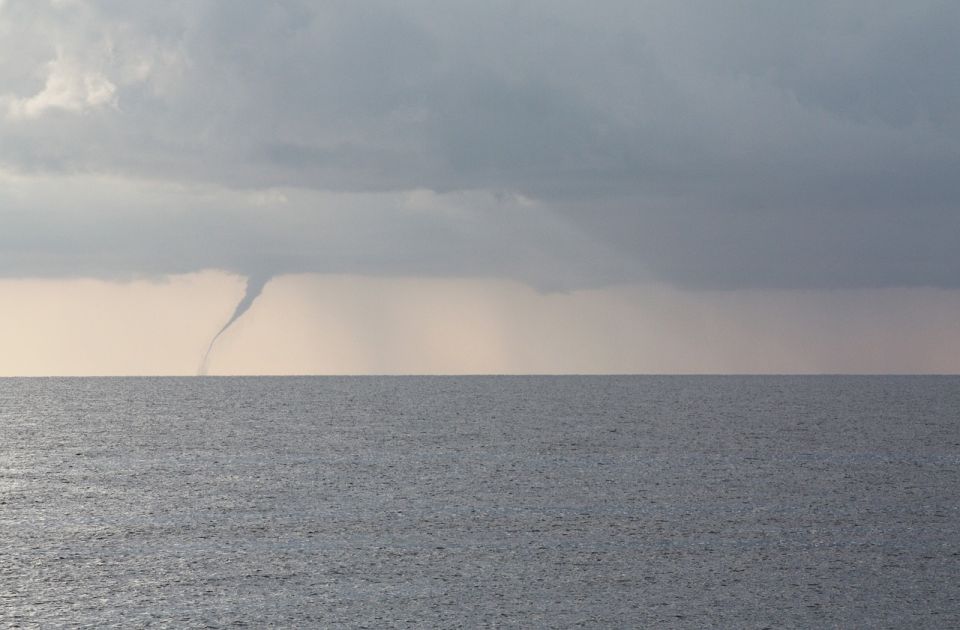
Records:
x=741, y=502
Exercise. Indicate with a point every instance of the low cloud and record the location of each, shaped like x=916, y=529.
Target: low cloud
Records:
x=741, y=145
x=68, y=88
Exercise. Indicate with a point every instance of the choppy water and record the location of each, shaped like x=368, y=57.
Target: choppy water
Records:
x=501, y=501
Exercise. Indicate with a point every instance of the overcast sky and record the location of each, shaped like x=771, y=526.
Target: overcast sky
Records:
x=561, y=146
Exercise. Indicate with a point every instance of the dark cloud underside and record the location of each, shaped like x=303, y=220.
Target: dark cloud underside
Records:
x=726, y=145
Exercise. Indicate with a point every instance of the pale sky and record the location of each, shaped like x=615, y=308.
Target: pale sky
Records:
x=463, y=187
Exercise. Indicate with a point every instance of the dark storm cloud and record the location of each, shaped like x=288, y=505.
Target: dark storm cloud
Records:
x=743, y=144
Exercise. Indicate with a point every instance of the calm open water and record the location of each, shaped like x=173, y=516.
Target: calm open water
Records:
x=743, y=502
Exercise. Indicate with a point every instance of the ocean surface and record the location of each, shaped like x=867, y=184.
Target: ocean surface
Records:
x=731, y=502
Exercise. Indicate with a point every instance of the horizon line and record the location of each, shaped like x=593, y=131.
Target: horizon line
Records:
x=488, y=375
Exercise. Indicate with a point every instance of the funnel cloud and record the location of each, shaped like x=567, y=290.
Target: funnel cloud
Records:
x=253, y=289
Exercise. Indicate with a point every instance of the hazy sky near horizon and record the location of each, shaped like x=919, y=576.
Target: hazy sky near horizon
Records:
x=625, y=173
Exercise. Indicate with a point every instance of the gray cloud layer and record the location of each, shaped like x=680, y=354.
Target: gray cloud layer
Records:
x=736, y=144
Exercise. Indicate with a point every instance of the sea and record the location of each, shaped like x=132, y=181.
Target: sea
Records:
x=480, y=502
